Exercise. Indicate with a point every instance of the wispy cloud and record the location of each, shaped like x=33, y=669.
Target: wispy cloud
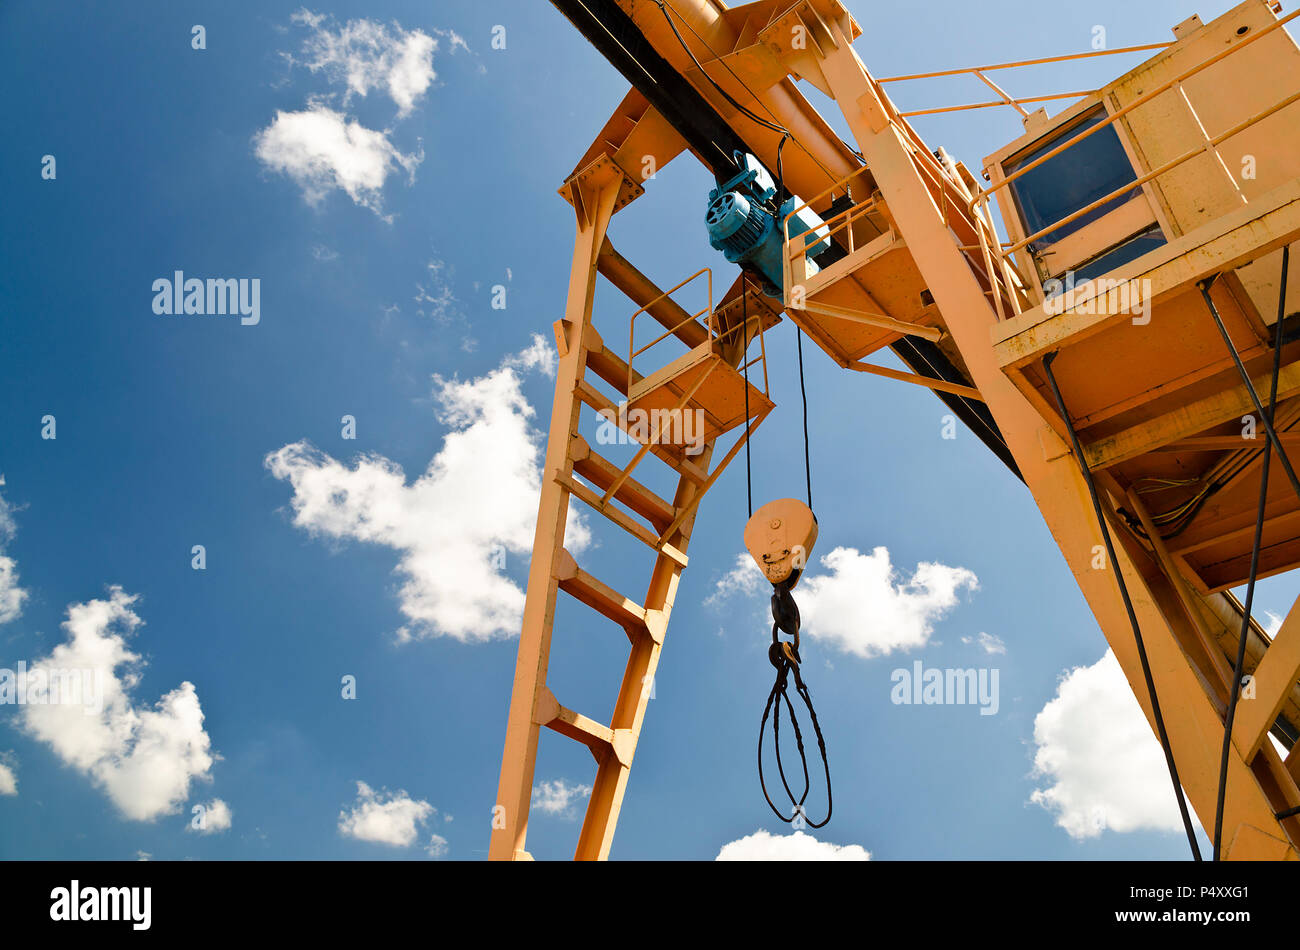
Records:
x=1274, y=623
x=365, y=55
x=434, y=296
x=986, y=642
x=744, y=579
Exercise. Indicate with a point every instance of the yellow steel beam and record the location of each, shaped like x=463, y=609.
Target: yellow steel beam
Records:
x=1274, y=679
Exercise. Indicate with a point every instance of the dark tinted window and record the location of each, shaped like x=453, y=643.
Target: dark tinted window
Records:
x=1077, y=177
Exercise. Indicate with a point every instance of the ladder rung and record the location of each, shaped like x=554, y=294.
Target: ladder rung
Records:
x=598, y=401
x=595, y=736
x=601, y=472
x=599, y=596
x=620, y=518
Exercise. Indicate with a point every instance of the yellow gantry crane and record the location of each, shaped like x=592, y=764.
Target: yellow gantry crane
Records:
x=1131, y=351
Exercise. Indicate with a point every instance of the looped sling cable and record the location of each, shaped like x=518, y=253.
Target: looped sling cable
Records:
x=785, y=658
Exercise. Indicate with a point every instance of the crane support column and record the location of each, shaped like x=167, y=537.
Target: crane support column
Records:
x=1195, y=725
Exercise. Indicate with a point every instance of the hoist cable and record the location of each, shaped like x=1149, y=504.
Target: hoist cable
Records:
x=803, y=394
x=1128, y=606
x=744, y=361
x=1237, y=668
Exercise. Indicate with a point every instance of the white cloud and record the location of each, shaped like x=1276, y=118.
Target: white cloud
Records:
x=324, y=253
x=143, y=758
x=366, y=55
x=987, y=642
x=8, y=776
x=1106, y=768
x=864, y=607
x=799, y=846
x=321, y=150
x=1274, y=623
x=558, y=797
x=436, y=299
x=437, y=846
x=11, y=595
x=453, y=526
x=383, y=817
x=216, y=818
x=745, y=579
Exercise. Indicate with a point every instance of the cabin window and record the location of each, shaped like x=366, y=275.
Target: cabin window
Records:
x=1075, y=178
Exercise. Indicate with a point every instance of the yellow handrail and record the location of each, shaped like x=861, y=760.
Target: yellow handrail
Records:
x=1139, y=101
x=1002, y=252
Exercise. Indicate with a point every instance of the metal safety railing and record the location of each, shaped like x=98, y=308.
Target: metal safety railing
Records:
x=795, y=257
x=1003, y=280
x=997, y=253
x=706, y=317
x=1004, y=98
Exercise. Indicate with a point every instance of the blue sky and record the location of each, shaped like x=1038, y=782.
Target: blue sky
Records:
x=376, y=281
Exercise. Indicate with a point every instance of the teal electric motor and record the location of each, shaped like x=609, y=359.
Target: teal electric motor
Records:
x=744, y=223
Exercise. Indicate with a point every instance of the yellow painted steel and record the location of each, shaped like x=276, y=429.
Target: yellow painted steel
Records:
x=1152, y=392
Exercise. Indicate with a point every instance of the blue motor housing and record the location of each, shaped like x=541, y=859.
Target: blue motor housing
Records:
x=742, y=226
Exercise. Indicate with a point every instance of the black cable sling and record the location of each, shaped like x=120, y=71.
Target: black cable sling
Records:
x=784, y=656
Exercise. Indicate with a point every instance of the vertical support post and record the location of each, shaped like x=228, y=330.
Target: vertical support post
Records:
x=593, y=197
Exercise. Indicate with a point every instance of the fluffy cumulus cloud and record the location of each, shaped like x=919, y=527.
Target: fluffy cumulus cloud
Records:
x=453, y=526
x=8, y=775
x=364, y=55
x=558, y=798
x=391, y=818
x=863, y=606
x=144, y=757
x=11, y=595
x=798, y=846
x=1104, y=766
x=322, y=150
x=214, y=818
